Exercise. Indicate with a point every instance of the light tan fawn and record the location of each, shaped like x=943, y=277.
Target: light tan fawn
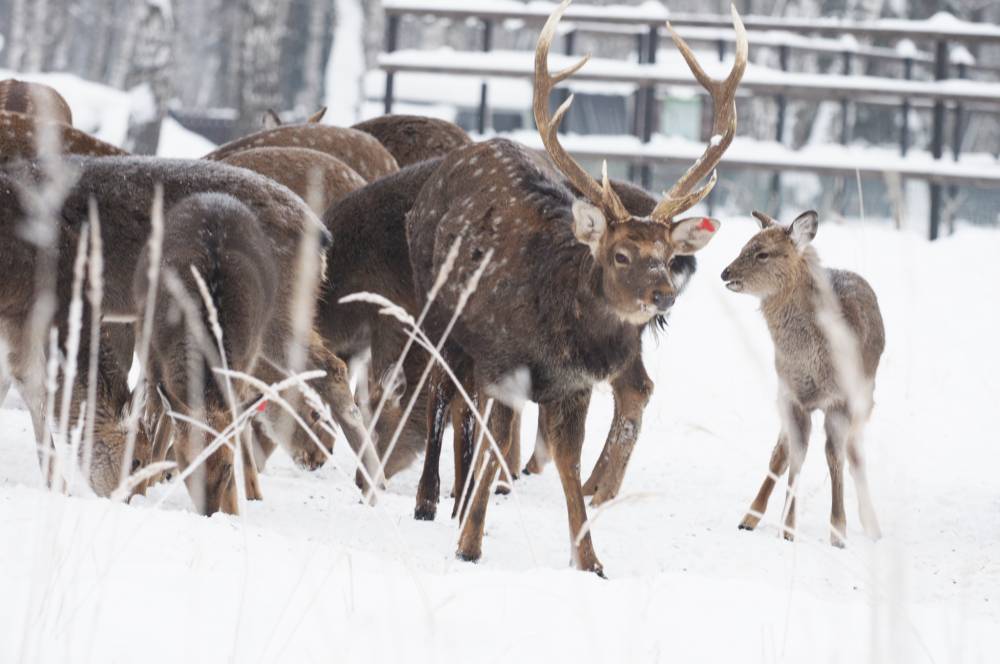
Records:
x=828, y=366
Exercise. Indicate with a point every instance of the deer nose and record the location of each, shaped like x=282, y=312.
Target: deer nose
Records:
x=726, y=274
x=663, y=300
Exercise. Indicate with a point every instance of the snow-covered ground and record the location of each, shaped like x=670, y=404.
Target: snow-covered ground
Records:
x=309, y=574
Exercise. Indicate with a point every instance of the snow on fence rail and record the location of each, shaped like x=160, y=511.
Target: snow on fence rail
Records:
x=757, y=80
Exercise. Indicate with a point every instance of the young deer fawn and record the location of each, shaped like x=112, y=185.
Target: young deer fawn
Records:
x=413, y=138
x=220, y=239
x=35, y=99
x=828, y=366
x=571, y=283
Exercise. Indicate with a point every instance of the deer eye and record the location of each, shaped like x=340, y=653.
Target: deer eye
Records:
x=762, y=256
x=621, y=258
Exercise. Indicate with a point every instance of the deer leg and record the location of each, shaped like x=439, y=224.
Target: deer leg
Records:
x=776, y=468
x=797, y=427
x=470, y=542
x=866, y=509
x=441, y=391
x=251, y=479
x=464, y=425
x=564, y=430
x=632, y=389
x=542, y=454
x=834, y=424
x=512, y=458
x=33, y=393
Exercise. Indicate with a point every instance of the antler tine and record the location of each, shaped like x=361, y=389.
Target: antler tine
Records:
x=723, y=93
x=548, y=127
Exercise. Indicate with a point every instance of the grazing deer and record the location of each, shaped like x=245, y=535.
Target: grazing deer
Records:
x=317, y=177
x=355, y=148
x=25, y=356
x=217, y=239
x=35, y=99
x=272, y=119
x=571, y=284
x=414, y=138
x=828, y=366
x=19, y=134
x=123, y=189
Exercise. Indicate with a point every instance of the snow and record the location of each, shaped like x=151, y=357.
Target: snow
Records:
x=180, y=143
x=310, y=574
x=97, y=109
x=346, y=66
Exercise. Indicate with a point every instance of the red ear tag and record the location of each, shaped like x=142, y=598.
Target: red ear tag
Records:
x=262, y=406
x=706, y=225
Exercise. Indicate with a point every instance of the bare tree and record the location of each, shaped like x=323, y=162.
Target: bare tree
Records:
x=149, y=69
x=263, y=30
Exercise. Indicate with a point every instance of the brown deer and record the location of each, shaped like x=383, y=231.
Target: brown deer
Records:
x=19, y=134
x=272, y=119
x=317, y=177
x=24, y=356
x=414, y=138
x=35, y=99
x=571, y=283
x=828, y=338
x=355, y=148
x=217, y=239
x=123, y=188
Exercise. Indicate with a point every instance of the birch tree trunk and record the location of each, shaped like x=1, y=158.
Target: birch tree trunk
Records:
x=263, y=26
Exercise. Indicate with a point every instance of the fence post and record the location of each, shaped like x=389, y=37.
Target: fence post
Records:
x=483, y=121
x=649, y=105
x=937, y=140
x=956, y=146
x=391, y=42
x=637, y=115
x=845, y=103
x=779, y=133
x=904, y=126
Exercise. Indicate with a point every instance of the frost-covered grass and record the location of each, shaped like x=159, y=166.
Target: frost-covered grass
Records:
x=311, y=574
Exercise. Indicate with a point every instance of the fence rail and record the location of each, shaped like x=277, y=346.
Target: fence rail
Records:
x=959, y=94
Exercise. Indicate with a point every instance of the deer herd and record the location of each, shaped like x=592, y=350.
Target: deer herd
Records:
x=230, y=279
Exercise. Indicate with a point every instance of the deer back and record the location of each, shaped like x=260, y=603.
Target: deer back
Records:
x=414, y=138
x=19, y=136
x=308, y=173
x=355, y=148
x=35, y=99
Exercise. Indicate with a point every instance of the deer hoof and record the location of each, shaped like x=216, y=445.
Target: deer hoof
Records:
x=789, y=536
x=837, y=542
x=467, y=557
x=502, y=489
x=425, y=511
x=749, y=522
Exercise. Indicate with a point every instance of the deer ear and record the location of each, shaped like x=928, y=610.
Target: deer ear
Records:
x=803, y=229
x=271, y=119
x=763, y=220
x=317, y=116
x=692, y=234
x=589, y=224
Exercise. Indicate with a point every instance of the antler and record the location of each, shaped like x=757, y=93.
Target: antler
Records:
x=601, y=195
x=681, y=197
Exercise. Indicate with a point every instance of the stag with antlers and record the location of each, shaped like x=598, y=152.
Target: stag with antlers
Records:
x=570, y=282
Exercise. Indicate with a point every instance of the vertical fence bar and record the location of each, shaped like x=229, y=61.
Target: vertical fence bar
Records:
x=483, y=121
x=649, y=105
x=845, y=107
x=569, y=47
x=956, y=145
x=779, y=133
x=904, y=125
x=937, y=140
x=637, y=115
x=391, y=43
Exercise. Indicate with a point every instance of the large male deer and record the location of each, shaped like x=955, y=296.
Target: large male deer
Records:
x=821, y=366
x=123, y=188
x=215, y=239
x=571, y=283
x=357, y=149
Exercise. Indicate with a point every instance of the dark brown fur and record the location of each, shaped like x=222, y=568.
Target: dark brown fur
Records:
x=220, y=238
x=413, y=138
x=355, y=148
x=19, y=135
